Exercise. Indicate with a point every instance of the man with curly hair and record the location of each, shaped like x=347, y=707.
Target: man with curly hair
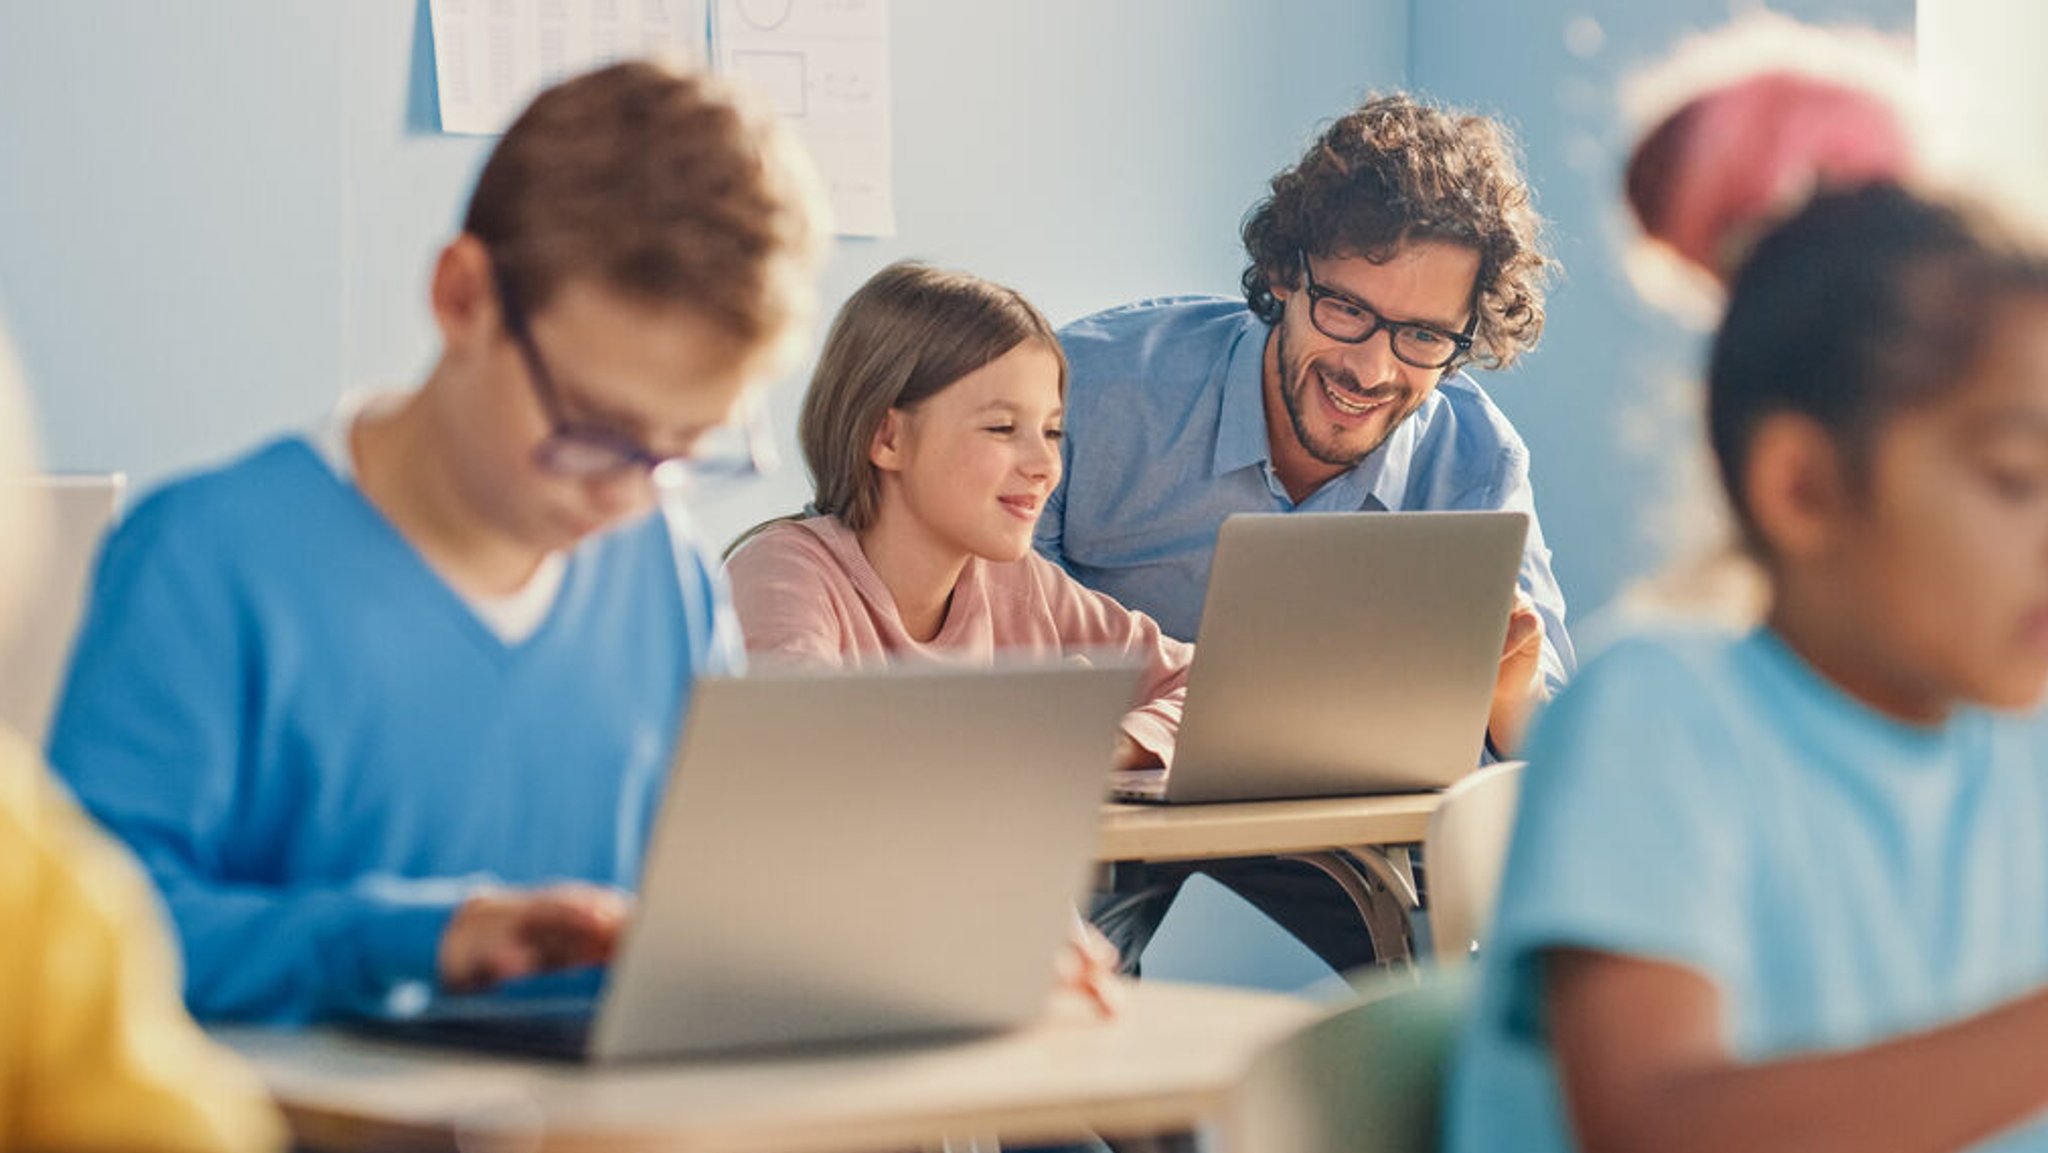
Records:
x=1402, y=247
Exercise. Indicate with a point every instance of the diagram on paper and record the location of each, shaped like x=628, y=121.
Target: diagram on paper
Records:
x=824, y=66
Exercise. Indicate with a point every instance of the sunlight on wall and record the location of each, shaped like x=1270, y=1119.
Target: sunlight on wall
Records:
x=1987, y=95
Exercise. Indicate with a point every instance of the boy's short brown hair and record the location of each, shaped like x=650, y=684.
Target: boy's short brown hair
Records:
x=665, y=186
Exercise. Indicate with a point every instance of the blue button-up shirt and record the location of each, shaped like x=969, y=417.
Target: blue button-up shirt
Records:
x=1166, y=436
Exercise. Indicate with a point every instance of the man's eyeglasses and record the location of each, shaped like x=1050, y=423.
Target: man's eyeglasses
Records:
x=584, y=451
x=1346, y=318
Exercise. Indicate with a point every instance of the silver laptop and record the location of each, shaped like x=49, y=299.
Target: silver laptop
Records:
x=1342, y=653
x=807, y=884
x=34, y=656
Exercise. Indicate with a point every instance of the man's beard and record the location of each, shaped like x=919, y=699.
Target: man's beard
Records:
x=1294, y=386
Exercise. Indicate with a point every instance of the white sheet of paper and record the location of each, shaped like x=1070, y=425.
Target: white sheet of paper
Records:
x=824, y=65
x=493, y=56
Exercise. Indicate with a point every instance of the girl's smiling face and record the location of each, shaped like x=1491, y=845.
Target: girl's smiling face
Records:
x=971, y=466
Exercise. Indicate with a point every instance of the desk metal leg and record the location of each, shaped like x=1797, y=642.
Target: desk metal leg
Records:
x=1382, y=892
x=1402, y=858
x=1392, y=870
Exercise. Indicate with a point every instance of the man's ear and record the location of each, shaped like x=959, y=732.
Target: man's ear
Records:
x=885, y=451
x=1281, y=282
x=463, y=294
x=1796, y=485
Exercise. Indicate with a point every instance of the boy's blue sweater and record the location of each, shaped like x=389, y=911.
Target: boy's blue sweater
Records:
x=318, y=750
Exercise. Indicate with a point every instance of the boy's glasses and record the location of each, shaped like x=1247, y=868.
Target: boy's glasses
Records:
x=1345, y=318
x=581, y=451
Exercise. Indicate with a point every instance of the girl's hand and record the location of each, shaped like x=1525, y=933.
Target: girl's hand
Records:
x=1132, y=755
x=1088, y=965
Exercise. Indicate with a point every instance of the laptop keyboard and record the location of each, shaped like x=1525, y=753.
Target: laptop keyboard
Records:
x=532, y=1028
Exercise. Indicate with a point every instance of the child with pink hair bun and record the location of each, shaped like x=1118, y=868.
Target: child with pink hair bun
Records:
x=1705, y=177
x=1740, y=127
x=1745, y=123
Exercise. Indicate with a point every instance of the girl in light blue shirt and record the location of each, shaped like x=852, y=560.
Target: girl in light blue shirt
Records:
x=1784, y=890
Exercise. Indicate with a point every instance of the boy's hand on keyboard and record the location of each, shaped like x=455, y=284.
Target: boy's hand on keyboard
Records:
x=504, y=935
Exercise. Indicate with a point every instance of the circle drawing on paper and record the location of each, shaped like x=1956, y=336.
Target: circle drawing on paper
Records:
x=765, y=15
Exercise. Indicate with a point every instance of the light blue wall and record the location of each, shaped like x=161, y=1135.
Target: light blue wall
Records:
x=217, y=214
x=1607, y=403
x=171, y=183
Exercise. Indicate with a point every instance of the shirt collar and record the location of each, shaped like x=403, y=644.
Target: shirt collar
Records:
x=1241, y=426
x=1241, y=431
x=1385, y=473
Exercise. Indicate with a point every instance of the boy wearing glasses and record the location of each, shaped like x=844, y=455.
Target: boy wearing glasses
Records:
x=1401, y=247
x=388, y=708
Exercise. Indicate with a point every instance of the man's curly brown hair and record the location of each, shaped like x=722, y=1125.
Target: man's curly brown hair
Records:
x=1394, y=171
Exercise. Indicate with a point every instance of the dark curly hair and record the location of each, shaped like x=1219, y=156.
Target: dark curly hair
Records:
x=1396, y=170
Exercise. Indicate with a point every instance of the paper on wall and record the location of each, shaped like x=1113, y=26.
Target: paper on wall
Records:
x=824, y=65
x=493, y=56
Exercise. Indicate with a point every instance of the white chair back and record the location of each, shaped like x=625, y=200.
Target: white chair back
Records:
x=35, y=655
x=1463, y=852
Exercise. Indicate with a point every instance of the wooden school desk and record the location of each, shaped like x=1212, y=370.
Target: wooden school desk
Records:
x=1351, y=839
x=1165, y=1064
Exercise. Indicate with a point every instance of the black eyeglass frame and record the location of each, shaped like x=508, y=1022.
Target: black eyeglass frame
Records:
x=605, y=452
x=1461, y=342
